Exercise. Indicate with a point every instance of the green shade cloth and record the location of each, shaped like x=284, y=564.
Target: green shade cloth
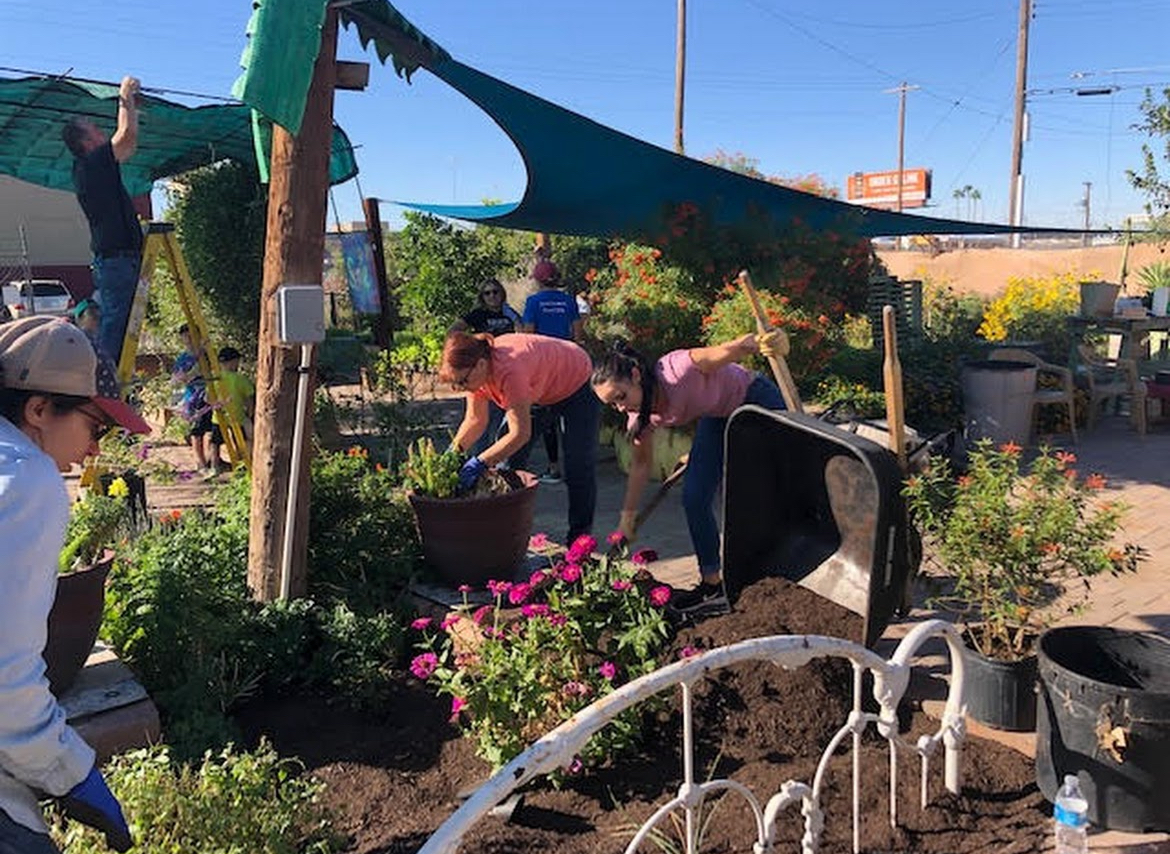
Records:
x=284, y=37
x=585, y=178
x=172, y=138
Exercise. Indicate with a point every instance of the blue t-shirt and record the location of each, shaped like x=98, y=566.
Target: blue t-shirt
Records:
x=551, y=312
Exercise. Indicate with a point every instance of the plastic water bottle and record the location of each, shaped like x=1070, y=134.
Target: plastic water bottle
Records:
x=1071, y=812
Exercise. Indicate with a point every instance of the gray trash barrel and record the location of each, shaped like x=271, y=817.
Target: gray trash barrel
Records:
x=997, y=400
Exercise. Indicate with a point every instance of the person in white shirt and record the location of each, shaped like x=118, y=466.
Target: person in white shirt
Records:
x=58, y=396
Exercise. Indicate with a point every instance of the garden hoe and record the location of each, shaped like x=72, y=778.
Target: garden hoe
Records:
x=779, y=366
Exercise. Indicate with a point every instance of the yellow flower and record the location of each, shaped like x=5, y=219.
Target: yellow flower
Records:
x=118, y=488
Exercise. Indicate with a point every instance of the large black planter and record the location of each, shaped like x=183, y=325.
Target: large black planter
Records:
x=1105, y=716
x=1001, y=694
x=74, y=621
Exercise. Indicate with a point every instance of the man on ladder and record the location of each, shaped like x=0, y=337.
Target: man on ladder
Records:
x=115, y=235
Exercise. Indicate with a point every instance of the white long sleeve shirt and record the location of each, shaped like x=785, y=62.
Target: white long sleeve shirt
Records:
x=38, y=750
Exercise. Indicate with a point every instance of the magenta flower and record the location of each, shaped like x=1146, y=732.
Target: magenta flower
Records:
x=608, y=670
x=421, y=623
x=575, y=767
x=537, y=578
x=689, y=652
x=464, y=588
x=143, y=451
x=481, y=614
x=499, y=588
x=535, y=610
x=538, y=541
x=458, y=704
x=556, y=619
x=659, y=596
x=519, y=593
x=620, y=585
x=570, y=572
x=449, y=621
x=615, y=538
x=576, y=689
x=582, y=548
x=422, y=666
x=644, y=556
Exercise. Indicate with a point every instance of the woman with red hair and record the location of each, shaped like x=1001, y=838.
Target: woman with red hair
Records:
x=517, y=372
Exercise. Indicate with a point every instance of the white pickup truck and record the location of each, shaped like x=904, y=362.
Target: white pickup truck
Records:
x=24, y=297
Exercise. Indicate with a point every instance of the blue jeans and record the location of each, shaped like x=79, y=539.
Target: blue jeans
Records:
x=116, y=280
x=18, y=839
x=705, y=471
x=580, y=416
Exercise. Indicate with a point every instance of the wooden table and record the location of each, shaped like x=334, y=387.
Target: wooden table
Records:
x=1135, y=337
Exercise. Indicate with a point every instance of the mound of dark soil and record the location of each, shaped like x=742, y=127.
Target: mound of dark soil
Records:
x=394, y=777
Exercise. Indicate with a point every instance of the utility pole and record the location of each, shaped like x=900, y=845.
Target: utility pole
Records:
x=901, y=90
x=293, y=254
x=1016, y=191
x=680, y=74
x=1086, y=201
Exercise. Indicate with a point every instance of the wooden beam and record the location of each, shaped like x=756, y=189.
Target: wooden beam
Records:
x=384, y=325
x=293, y=254
x=352, y=76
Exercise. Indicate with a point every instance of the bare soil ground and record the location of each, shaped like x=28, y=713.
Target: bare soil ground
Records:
x=394, y=776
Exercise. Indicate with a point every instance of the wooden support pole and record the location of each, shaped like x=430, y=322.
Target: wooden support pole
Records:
x=384, y=326
x=293, y=254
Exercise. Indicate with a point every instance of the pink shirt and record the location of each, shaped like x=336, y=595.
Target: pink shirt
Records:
x=534, y=369
x=688, y=394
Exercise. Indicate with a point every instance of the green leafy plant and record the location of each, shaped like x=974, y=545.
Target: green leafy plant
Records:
x=1155, y=275
x=1014, y=537
x=229, y=801
x=547, y=648
x=429, y=471
x=850, y=399
x=96, y=523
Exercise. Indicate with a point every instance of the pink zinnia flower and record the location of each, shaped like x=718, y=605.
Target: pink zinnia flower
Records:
x=458, y=704
x=449, y=621
x=570, y=572
x=620, y=585
x=481, y=613
x=422, y=666
x=615, y=538
x=535, y=610
x=538, y=541
x=689, y=652
x=498, y=588
x=421, y=623
x=582, y=548
x=519, y=593
x=659, y=596
x=555, y=619
x=464, y=588
x=575, y=767
x=576, y=689
x=537, y=578
x=608, y=670
x=644, y=556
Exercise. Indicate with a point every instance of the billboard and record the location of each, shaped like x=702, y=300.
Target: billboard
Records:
x=880, y=189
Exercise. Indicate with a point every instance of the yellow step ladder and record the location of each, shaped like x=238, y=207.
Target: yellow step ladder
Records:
x=161, y=244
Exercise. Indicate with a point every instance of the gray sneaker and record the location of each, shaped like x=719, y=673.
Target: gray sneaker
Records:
x=705, y=600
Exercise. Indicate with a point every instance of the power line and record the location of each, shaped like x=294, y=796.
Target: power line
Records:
x=157, y=90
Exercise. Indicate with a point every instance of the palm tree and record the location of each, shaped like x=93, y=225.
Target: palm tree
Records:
x=975, y=198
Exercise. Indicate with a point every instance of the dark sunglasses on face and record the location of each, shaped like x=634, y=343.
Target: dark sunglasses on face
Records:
x=98, y=426
x=461, y=382
x=492, y=293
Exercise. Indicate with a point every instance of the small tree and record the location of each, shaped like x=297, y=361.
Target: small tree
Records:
x=1149, y=179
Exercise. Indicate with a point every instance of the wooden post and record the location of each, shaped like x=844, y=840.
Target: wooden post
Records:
x=293, y=254
x=384, y=327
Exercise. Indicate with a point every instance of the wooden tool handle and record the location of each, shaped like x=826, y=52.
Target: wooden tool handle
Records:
x=892, y=377
x=779, y=365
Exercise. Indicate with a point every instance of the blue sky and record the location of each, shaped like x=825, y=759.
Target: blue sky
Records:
x=800, y=86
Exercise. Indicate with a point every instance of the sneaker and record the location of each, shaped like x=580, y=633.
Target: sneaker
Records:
x=550, y=476
x=705, y=600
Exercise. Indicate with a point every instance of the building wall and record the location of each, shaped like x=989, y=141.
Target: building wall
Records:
x=55, y=229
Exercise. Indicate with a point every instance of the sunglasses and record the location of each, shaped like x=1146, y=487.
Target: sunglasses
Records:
x=494, y=292
x=99, y=427
x=461, y=382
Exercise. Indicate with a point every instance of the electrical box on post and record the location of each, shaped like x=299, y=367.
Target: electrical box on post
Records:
x=300, y=314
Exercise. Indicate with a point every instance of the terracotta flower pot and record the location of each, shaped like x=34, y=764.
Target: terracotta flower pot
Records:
x=74, y=621
x=469, y=540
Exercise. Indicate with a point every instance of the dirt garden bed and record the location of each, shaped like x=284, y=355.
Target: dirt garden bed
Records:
x=395, y=775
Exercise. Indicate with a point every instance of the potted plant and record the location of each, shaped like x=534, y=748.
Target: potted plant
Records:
x=468, y=537
x=1014, y=537
x=97, y=521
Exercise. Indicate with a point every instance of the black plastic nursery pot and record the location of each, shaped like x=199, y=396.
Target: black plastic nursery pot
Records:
x=1001, y=694
x=1104, y=715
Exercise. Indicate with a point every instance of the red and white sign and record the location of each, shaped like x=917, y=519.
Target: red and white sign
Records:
x=880, y=189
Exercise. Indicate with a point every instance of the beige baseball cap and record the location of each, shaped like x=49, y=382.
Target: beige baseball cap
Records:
x=51, y=355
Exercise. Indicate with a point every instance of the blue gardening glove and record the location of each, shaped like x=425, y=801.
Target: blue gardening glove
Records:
x=91, y=802
x=472, y=471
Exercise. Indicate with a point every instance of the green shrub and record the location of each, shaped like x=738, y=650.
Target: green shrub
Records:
x=230, y=802
x=850, y=399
